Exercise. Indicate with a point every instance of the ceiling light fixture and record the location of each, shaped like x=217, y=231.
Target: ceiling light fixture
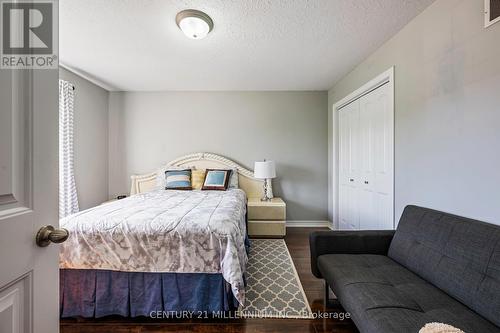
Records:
x=194, y=23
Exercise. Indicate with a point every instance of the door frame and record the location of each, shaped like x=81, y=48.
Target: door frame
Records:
x=387, y=77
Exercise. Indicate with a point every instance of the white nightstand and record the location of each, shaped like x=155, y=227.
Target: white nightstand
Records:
x=266, y=218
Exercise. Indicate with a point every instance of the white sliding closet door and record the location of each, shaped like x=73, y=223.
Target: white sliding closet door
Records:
x=366, y=162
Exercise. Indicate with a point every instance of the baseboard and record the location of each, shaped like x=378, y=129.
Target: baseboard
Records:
x=308, y=224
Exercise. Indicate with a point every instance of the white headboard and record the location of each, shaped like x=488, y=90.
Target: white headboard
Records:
x=253, y=187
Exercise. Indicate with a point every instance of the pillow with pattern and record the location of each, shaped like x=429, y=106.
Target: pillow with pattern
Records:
x=216, y=179
x=233, y=179
x=197, y=178
x=161, y=181
x=178, y=179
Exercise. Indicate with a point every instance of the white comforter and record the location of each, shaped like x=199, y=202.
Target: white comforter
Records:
x=162, y=231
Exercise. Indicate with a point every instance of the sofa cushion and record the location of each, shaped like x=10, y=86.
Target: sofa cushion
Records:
x=458, y=255
x=383, y=296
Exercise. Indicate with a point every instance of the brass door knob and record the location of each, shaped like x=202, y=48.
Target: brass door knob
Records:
x=48, y=234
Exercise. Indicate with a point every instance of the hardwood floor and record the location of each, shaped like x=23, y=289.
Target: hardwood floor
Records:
x=297, y=240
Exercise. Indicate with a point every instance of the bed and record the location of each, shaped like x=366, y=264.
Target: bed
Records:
x=159, y=250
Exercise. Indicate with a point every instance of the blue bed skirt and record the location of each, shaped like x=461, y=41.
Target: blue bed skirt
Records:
x=98, y=293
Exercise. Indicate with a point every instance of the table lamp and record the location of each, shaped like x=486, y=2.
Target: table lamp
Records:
x=265, y=170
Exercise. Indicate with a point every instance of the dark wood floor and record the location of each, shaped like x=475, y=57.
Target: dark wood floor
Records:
x=298, y=243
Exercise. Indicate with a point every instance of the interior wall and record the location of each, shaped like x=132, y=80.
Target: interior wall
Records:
x=447, y=111
x=90, y=140
x=148, y=129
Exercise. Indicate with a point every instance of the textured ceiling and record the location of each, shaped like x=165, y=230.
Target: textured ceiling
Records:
x=255, y=45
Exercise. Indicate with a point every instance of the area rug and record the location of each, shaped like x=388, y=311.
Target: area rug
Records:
x=273, y=286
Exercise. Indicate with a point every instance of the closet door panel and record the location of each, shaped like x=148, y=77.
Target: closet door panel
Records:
x=367, y=199
x=348, y=166
x=383, y=150
x=377, y=176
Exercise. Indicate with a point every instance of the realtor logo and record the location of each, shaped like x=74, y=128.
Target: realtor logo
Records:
x=28, y=34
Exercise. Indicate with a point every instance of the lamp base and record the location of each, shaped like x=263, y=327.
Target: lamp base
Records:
x=268, y=190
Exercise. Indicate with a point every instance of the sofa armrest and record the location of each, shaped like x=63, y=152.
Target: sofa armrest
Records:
x=348, y=242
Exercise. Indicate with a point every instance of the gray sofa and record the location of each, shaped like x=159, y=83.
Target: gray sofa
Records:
x=436, y=267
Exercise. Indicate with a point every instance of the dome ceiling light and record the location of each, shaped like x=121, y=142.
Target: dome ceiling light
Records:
x=194, y=23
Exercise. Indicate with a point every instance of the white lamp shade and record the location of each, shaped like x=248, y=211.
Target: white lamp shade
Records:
x=264, y=170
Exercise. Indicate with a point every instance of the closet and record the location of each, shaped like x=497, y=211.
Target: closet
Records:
x=366, y=162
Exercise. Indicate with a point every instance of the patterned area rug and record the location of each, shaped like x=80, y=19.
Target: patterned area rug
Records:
x=273, y=286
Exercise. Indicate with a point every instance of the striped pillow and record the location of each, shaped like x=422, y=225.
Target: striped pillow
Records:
x=178, y=179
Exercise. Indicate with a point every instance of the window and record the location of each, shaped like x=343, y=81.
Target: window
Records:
x=491, y=12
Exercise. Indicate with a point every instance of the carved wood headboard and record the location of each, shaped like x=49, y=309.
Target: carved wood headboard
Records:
x=253, y=187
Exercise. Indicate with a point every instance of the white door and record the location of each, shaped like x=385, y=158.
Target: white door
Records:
x=29, y=276
x=376, y=160
x=366, y=162
x=349, y=166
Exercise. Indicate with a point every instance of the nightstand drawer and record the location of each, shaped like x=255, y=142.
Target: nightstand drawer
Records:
x=266, y=228
x=266, y=212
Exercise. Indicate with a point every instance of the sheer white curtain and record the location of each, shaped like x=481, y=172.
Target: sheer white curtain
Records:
x=68, y=199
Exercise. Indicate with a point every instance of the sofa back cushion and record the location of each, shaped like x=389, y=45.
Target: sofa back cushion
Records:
x=458, y=255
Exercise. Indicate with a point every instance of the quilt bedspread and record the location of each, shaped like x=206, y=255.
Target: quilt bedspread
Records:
x=162, y=231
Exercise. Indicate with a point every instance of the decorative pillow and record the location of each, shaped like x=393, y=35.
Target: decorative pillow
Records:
x=161, y=181
x=178, y=179
x=216, y=179
x=197, y=178
x=233, y=180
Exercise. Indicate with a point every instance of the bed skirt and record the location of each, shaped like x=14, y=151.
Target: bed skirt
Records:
x=92, y=293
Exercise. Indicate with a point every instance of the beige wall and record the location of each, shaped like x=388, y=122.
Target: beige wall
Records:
x=90, y=140
x=447, y=100
x=148, y=129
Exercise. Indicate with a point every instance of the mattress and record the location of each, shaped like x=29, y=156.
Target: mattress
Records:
x=162, y=231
